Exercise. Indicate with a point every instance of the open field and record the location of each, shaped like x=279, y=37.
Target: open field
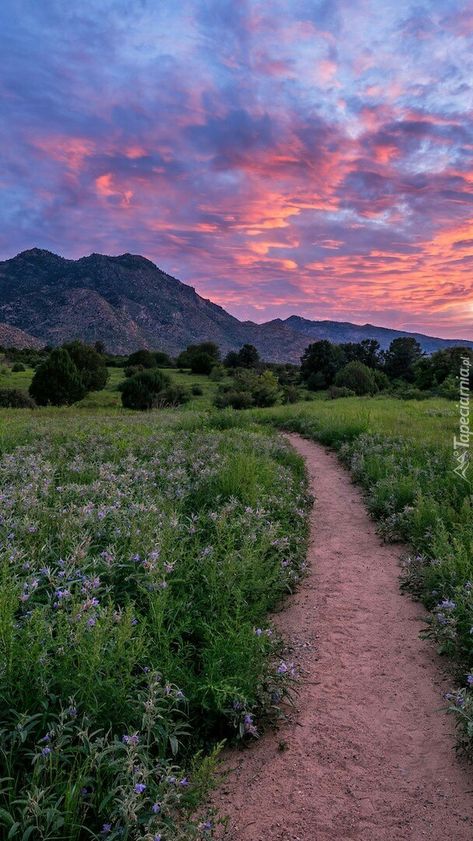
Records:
x=141, y=554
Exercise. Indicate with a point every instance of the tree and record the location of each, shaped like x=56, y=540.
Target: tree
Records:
x=248, y=357
x=432, y=371
x=90, y=364
x=142, y=357
x=401, y=357
x=57, y=381
x=163, y=360
x=231, y=360
x=184, y=360
x=368, y=351
x=201, y=363
x=322, y=359
x=143, y=390
x=357, y=377
x=100, y=348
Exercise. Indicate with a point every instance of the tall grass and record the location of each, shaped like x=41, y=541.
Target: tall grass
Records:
x=138, y=563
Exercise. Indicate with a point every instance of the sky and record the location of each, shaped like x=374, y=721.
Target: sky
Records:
x=281, y=156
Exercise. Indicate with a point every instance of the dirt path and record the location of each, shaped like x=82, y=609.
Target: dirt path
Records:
x=369, y=753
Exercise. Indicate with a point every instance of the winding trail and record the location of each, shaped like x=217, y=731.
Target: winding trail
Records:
x=370, y=755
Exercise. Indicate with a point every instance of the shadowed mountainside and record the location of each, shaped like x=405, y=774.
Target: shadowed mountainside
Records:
x=128, y=302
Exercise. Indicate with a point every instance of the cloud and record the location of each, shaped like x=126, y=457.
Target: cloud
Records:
x=311, y=157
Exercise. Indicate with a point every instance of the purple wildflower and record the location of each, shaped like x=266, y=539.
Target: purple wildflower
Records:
x=139, y=788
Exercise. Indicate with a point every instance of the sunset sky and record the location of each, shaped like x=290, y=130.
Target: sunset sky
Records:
x=282, y=156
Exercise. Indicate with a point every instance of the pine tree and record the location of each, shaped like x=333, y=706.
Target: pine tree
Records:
x=57, y=381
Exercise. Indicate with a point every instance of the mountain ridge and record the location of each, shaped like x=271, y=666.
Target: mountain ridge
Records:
x=128, y=302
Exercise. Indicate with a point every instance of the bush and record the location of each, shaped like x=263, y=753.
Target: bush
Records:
x=217, y=373
x=234, y=399
x=13, y=398
x=336, y=391
x=202, y=363
x=266, y=391
x=290, y=394
x=163, y=360
x=144, y=358
x=449, y=389
x=142, y=391
x=18, y=367
x=131, y=370
x=90, y=364
x=173, y=395
x=197, y=390
x=57, y=381
x=357, y=377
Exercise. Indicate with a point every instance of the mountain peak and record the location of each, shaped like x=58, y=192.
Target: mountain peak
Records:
x=127, y=302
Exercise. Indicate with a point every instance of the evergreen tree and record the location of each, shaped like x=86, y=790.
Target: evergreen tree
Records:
x=57, y=381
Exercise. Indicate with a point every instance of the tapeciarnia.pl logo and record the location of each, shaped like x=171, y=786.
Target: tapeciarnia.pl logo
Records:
x=461, y=445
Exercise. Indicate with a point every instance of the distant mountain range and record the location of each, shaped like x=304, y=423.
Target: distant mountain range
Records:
x=128, y=303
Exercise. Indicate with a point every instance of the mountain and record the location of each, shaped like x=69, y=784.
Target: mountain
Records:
x=13, y=337
x=343, y=331
x=127, y=302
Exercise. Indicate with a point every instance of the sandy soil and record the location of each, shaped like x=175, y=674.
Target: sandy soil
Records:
x=370, y=754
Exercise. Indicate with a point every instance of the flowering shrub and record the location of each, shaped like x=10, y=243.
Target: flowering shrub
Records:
x=137, y=566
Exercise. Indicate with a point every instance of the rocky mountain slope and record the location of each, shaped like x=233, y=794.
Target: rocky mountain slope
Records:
x=127, y=302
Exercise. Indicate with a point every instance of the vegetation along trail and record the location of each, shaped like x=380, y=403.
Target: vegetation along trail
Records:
x=368, y=753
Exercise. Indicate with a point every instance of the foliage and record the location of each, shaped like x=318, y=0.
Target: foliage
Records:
x=432, y=371
x=401, y=357
x=90, y=364
x=57, y=381
x=368, y=351
x=173, y=395
x=133, y=616
x=320, y=363
x=13, y=398
x=17, y=367
x=357, y=377
x=143, y=358
x=209, y=349
x=246, y=357
x=142, y=391
x=249, y=389
x=336, y=391
x=202, y=363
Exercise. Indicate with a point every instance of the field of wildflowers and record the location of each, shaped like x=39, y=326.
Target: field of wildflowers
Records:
x=139, y=557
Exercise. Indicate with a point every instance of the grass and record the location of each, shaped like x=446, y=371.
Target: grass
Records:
x=140, y=556
x=401, y=452
x=212, y=505
x=110, y=397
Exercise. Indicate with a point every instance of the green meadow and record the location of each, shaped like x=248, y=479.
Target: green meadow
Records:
x=142, y=555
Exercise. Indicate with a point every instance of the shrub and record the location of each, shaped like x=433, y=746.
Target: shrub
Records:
x=173, y=395
x=57, y=381
x=266, y=391
x=234, y=399
x=336, y=391
x=217, y=373
x=163, y=360
x=18, y=367
x=144, y=358
x=141, y=392
x=202, y=363
x=131, y=370
x=290, y=394
x=357, y=377
x=13, y=398
x=197, y=390
x=90, y=364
